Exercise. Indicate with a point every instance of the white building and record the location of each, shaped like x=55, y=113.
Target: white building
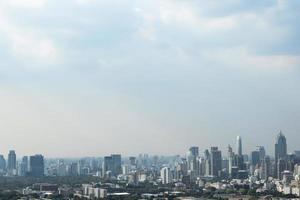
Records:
x=165, y=174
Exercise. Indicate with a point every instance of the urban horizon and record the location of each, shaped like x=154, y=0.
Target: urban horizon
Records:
x=223, y=148
x=149, y=99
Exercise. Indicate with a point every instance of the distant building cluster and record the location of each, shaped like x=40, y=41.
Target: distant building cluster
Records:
x=210, y=168
x=27, y=166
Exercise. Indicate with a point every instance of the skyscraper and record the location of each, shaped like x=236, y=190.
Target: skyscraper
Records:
x=36, y=166
x=216, y=161
x=23, y=166
x=239, y=146
x=280, y=153
x=255, y=159
x=230, y=159
x=165, y=175
x=12, y=162
x=117, y=168
x=113, y=164
x=207, y=163
x=262, y=152
x=192, y=161
x=2, y=163
x=194, y=151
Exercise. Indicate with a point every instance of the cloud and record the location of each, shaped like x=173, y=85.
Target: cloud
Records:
x=26, y=3
x=241, y=58
x=27, y=45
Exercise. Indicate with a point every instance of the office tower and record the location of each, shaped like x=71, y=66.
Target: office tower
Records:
x=107, y=165
x=116, y=164
x=290, y=162
x=265, y=168
x=165, y=175
x=280, y=153
x=24, y=166
x=36, y=164
x=207, y=163
x=112, y=164
x=239, y=146
x=255, y=158
x=262, y=152
x=132, y=160
x=297, y=154
x=80, y=166
x=192, y=161
x=230, y=155
x=12, y=163
x=73, y=169
x=194, y=151
x=225, y=164
x=2, y=163
x=201, y=166
x=216, y=161
x=238, y=161
x=61, y=168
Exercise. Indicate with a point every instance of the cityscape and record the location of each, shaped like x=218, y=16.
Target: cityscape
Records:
x=149, y=99
x=199, y=173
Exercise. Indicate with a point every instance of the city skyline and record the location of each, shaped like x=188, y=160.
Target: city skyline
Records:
x=153, y=76
x=196, y=151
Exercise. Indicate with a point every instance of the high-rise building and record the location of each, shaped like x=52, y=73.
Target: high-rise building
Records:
x=24, y=166
x=262, y=152
x=280, y=153
x=36, y=166
x=230, y=155
x=239, y=148
x=61, y=168
x=255, y=159
x=216, y=161
x=2, y=163
x=165, y=175
x=117, y=168
x=107, y=165
x=194, y=151
x=72, y=169
x=207, y=163
x=265, y=168
x=112, y=164
x=132, y=160
x=12, y=162
x=193, y=162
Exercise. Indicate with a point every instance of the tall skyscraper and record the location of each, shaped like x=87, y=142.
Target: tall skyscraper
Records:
x=194, y=151
x=280, y=153
x=36, y=166
x=117, y=168
x=239, y=147
x=262, y=152
x=230, y=155
x=192, y=161
x=165, y=174
x=2, y=163
x=113, y=164
x=255, y=159
x=216, y=161
x=12, y=162
x=24, y=166
x=207, y=163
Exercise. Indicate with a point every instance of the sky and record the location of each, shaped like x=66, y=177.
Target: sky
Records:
x=94, y=77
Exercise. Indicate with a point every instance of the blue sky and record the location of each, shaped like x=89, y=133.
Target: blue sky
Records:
x=93, y=77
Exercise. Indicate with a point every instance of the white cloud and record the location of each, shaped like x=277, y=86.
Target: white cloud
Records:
x=27, y=44
x=240, y=57
x=26, y=3
x=85, y=2
x=182, y=13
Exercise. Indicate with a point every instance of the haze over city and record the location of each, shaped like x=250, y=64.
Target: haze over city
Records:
x=89, y=78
